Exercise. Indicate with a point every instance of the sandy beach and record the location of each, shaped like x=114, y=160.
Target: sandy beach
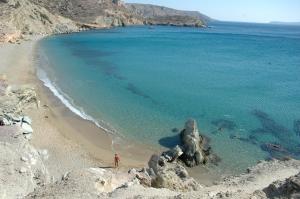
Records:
x=71, y=142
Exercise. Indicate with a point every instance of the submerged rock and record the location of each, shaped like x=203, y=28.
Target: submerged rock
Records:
x=276, y=151
x=270, y=126
x=222, y=124
x=297, y=127
x=175, y=130
x=287, y=139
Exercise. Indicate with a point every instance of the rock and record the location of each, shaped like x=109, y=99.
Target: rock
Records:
x=297, y=127
x=224, y=124
x=276, y=150
x=289, y=188
x=5, y=122
x=28, y=136
x=27, y=120
x=84, y=183
x=132, y=171
x=22, y=170
x=172, y=176
x=44, y=154
x=173, y=154
x=175, y=130
x=65, y=176
x=13, y=118
x=26, y=128
x=192, y=144
x=24, y=159
x=144, y=178
x=153, y=163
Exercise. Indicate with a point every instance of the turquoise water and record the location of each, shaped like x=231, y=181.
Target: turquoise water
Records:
x=241, y=82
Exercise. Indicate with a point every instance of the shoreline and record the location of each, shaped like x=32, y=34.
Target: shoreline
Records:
x=85, y=143
x=62, y=132
x=62, y=162
x=58, y=129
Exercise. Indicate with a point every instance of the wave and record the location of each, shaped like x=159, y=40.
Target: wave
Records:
x=67, y=101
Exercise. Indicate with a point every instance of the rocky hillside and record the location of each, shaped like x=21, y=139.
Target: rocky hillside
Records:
x=22, y=17
x=26, y=17
x=168, y=16
x=18, y=17
x=101, y=13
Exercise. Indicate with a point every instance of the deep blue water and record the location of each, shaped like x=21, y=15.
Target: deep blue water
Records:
x=241, y=82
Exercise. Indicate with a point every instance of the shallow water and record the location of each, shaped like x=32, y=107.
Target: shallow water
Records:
x=239, y=81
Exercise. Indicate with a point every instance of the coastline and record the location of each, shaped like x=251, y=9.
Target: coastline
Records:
x=71, y=141
x=77, y=172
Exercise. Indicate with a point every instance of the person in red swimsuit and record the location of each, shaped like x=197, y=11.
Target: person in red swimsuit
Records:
x=117, y=160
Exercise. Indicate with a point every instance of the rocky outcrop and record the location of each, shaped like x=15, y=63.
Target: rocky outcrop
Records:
x=85, y=183
x=104, y=13
x=289, y=188
x=168, y=175
x=192, y=144
x=22, y=167
x=15, y=100
x=19, y=17
x=166, y=170
x=100, y=183
x=159, y=15
x=194, y=149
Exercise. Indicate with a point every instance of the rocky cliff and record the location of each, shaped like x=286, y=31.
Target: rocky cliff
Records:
x=159, y=15
x=19, y=17
x=101, y=13
x=23, y=17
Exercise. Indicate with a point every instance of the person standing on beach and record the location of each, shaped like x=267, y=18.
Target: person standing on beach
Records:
x=117, y=160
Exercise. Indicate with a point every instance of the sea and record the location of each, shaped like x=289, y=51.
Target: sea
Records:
x=239, y=81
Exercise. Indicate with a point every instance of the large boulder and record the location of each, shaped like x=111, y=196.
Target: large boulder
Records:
x=289, y=188
x=169, y=175
x=192, y=145
x=173, y=154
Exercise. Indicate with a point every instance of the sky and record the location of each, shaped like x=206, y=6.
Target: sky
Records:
x=261, y=11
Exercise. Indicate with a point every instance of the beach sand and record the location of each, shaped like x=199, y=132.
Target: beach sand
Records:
x=71, y=141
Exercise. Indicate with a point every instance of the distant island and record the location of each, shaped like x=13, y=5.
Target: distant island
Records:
x=285, y=23
x=160, y=15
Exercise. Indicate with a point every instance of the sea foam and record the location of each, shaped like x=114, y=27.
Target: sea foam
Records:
x=65, y=99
